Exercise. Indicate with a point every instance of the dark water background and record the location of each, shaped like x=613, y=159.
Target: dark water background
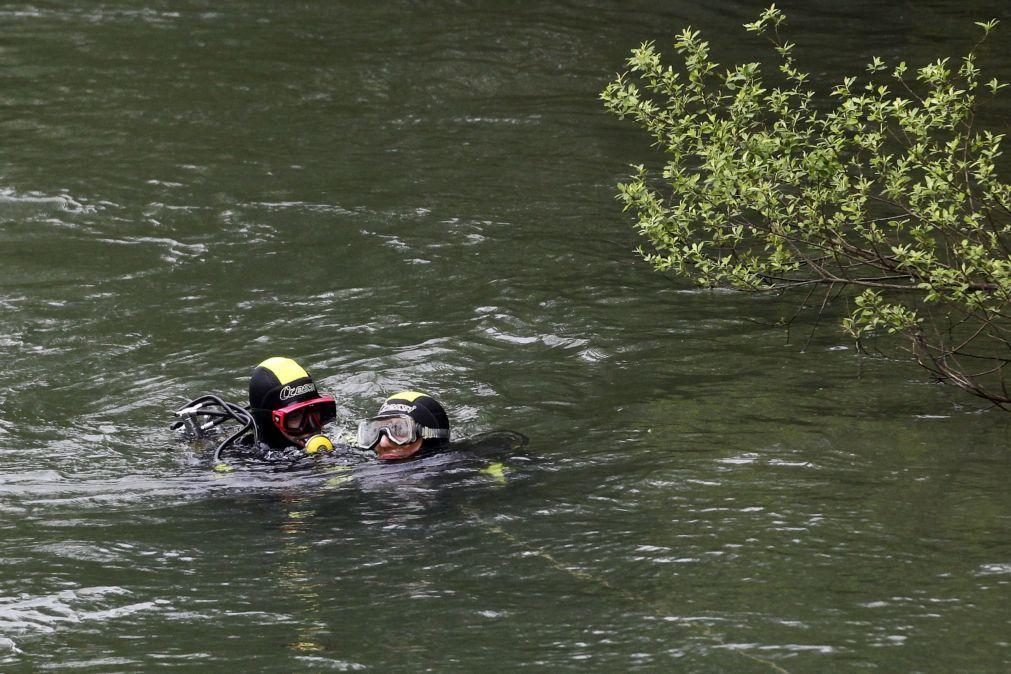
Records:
x=421, y=194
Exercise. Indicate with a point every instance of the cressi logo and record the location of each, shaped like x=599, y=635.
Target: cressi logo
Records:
x=397, y=407
x=292, y=391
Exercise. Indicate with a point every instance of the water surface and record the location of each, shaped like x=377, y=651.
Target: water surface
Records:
x=420, y=194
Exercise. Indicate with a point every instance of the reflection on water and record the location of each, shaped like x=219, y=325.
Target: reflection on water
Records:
x=420, y=195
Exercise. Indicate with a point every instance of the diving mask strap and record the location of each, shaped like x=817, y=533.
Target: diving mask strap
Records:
x=432, y=433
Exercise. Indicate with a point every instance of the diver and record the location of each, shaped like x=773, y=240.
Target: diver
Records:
x=410, y=437
x=283, y=421
x=409, y=425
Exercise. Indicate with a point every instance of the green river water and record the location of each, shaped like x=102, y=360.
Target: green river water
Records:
x=421, y=194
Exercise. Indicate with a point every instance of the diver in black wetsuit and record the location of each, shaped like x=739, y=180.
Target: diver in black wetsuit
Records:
x=409, y=425
x=284, y=419
x=410, y=436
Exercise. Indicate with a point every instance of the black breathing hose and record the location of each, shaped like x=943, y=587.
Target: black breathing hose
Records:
x=218, y=411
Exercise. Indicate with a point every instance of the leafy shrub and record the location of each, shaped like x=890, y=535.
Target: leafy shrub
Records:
x=883, y=190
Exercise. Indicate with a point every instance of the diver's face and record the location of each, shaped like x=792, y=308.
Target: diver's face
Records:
x=297, y=421
x=293, y=436
x=387, y=450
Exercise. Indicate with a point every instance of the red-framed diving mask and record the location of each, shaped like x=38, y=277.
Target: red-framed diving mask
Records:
x=306, y=417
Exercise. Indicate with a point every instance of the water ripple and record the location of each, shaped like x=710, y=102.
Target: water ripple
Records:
x=28, y=615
